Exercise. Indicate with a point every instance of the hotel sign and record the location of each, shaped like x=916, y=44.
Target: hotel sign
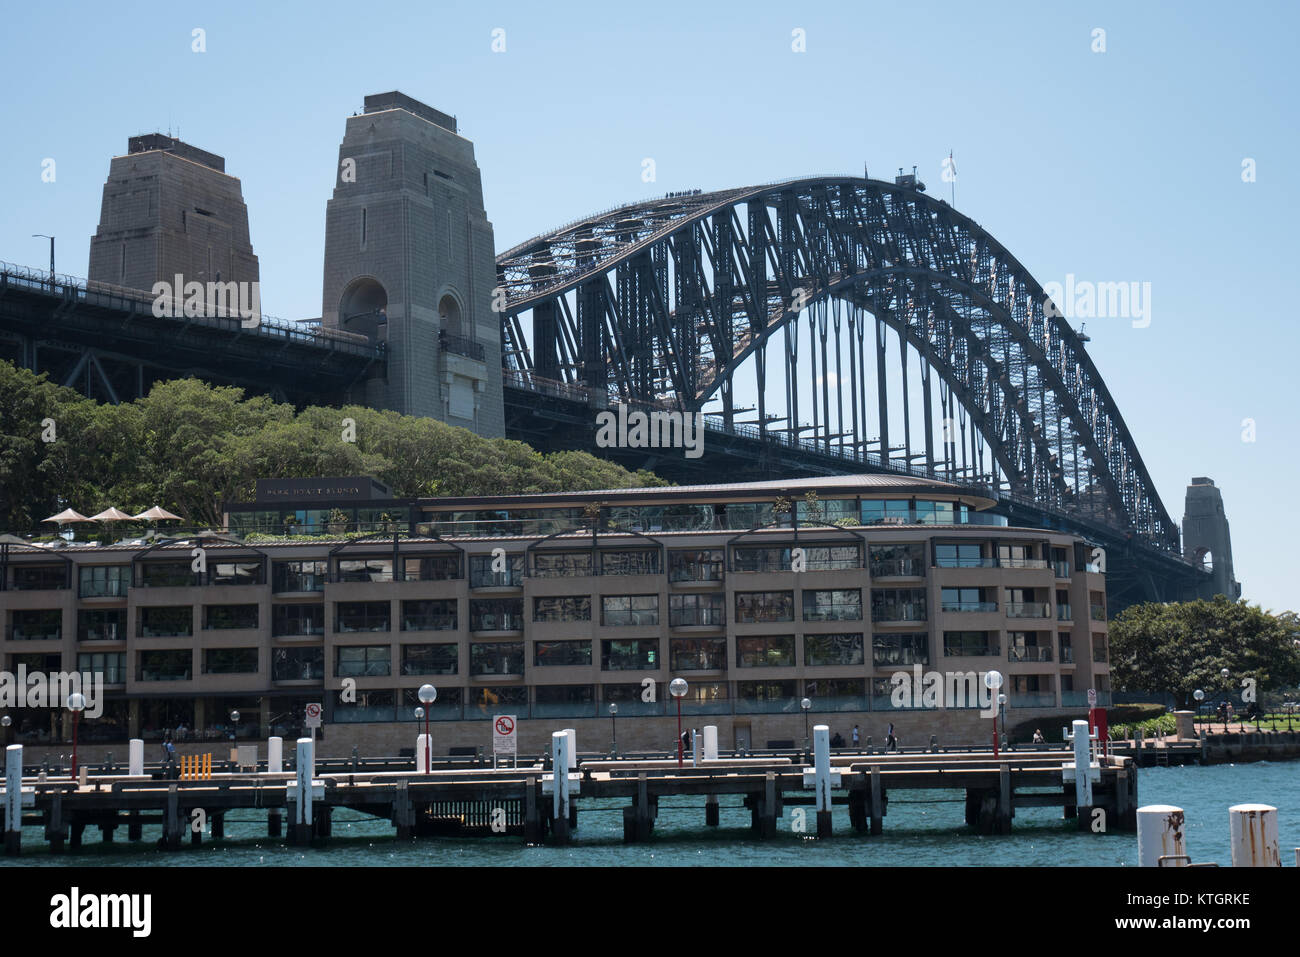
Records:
x=350, y=488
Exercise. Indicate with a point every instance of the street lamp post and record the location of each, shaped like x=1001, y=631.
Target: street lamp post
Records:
x=1002, y=712
x=806, y=705
x=993, y=681
x=1228, y=692
x=1199, y=695
x=428, y=694
x=613, y=728
x=51, y=239
x=76, y=704
x=677, y=688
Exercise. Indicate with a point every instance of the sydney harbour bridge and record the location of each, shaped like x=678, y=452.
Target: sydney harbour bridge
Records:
x=823, y=325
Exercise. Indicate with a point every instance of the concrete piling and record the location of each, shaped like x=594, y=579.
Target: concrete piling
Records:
x=1161, y=831
x=13, y=799
x=1252, y=831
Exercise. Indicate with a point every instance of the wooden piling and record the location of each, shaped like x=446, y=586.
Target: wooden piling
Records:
x=1005, y=810
x=532, y=817
x=877, y=802
x=54, y=826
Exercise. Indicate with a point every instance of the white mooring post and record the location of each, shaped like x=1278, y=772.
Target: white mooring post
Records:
x=822, y=778
x=1252, y=829
x=696, y=745
x=559, y=765
x=572, y=748
x=710, y=742
x=13, y=798
x=135, y=757
x=1161, y=833
x=275, y=755
x=422, y=755
x=1083, y=771
x=306, y=764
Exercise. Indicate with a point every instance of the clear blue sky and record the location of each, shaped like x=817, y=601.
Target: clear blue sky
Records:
x=1122, y=165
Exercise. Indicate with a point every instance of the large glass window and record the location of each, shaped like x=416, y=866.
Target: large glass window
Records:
x=565, y=608
x=1019, y=556
x=764, y=606
x=297, y=664
x=687, y=611
x=167, y=574
x=961, y=555
x=362, y=661
x=481, y=574
x=297, y=620
x=966, y=600
x=836, y=694
x=441, y=659
x=568, y=653
x=696, y=565
x=898, y=604
x=39, y=577
x=888, y=650
x=642, y=561
x=904, y=559
x=370, y=706
x=766, y=696
x=362, y=569
x=36, y=625
x=438, y=614
x=554, y=701
x=831, y=511
x=698, y=654
x=630, y=700
x=166, y=665
x=636, y=655
x=229, y=661
x=706, y=697
x=236, y=573
x=837, y=649
x=101, y=624
x=112, y=665
x=299, y=576
x=169, y=621
x=629, y=610
x=934, y=513
x=104, y=581
x=362, y=616
x=496, y=658
x=833, y=605
x=1029, y=646
x=430, y=568
x=226, y=617
x=561, y=564
x=486, y=702
x=446, y=707
x=496, y=614
x=765, y=651
x=960, y=644
x=886, y=511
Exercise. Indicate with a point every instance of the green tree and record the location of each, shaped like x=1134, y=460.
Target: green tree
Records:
x=1181, y=646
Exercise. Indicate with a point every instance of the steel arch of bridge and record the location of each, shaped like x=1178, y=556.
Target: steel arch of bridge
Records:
x=663, y=301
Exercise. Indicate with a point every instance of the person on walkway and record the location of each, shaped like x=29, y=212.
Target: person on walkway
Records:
x=1038, y=737
x=891, y=742
x=857, y=738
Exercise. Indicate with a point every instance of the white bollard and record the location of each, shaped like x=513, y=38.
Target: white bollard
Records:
x=560, y=764
x=423, y=753
x=1161, y=831
x=13, y=794
x=1252, y=829
x=135, y=757
x=695, y=748
x=275, y=755
x=710, y=742
x=573, y=748
x=1082, y=761
x=306, y=765
x=822, y=762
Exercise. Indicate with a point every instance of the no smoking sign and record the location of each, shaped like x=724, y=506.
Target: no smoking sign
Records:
x=504, y=734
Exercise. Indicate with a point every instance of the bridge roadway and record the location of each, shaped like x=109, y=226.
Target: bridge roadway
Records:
x=464, y=801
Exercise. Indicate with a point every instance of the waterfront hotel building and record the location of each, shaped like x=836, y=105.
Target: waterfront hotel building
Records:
x=551, y=607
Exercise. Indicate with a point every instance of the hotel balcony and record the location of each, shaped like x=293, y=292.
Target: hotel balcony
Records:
x=1028, y=609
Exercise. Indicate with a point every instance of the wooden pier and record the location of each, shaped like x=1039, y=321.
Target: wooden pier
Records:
x=482, y=801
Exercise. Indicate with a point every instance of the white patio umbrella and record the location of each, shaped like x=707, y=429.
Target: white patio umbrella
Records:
x=66, y=516
x=155, y=514
x=111, y=514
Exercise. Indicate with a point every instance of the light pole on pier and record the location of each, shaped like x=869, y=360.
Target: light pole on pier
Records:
x=993, y=681
x=76, y=704
x=613, y=728
x=677, y=688
x=428, y=694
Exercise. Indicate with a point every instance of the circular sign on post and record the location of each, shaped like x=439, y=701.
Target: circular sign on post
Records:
x=505, y=724
x=1092, y=697
x=504, y=734
x=313, y=715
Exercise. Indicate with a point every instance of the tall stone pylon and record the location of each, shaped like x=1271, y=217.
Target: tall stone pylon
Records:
x=1206, y=538
x=410, y=263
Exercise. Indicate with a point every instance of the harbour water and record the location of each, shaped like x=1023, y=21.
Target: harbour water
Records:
x=922, y=828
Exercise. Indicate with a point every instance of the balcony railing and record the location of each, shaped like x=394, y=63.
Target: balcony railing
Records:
x=290, y=582
x=971, y=606
x=431, y=622
x=1097, y=612
x=833, y=612
x=462, y=346
x=361, y=624
x=1067, y=656
x=35, y=632
x=1029, y=653
x=1022, y=563
x=697, y=617
x=966, y=562
x=1079, y=699
x=899, y=612
x=1028, y=609
x=104, y=589
x=1033, y=699
x=1062, y=569
x=898, y=568
x=1064, y=613
x=889, y=657
x=697, y=572
x=627, y=663
x=508, y=579
x=504, y=621
x=699, y=661
x=972, y=651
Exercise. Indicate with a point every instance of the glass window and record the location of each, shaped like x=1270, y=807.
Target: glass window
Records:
x=297, y=664
x=297, y=620
x=496, y=658
x=169, y=621
x=696, y=565
x=167, y=575
x=446, y=707
x=101, y=624
x=687, y=611
x=299, y=576
x=901, y=559
x=564, y=701
x=229, y=661
x=496, y=614
x=437, y=614
x=166, y=665
x=487, y=702
x=833, y=605
x=629, y=610
x=561, y=564
x=764, y=606
x=967, y=555
x=900, y=649
x=898, y=604
x=362, y=616
x=40, y=577
x=836, y=694
x=362, y=661
x=562, y=653
x=568, y=608
x=934, y=513
x=970, y=643
x=104, y=581
x=766, y=696
x=112, y=665
x=638, y=562
x=698, y=654
x=636, y=655
x=833, y=511
x=482, y=575
x=886, y=511
x=765, y=651
x=836, y=649
x=442, y=659
x=224, y=617
x=36, y=625
x=370, y=706
x=365, y=569
x=630, y=700
x=235, y=573
x=433, y=568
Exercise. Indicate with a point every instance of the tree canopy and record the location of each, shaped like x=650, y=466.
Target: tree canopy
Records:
x=1181, y=646
x=191, y=447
